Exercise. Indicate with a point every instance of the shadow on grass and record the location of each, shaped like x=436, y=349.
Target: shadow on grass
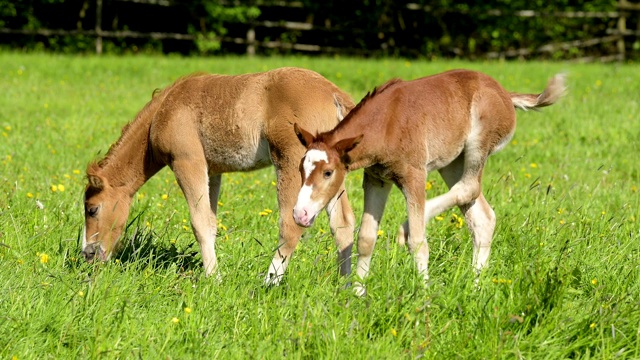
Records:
x=141, y=245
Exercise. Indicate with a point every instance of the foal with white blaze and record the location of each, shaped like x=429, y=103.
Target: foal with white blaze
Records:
x=450, y=122
x=203, y=126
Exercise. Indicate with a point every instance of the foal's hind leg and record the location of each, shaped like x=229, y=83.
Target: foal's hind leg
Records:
x=478, y=214
x=463, y=177
x=341, y=222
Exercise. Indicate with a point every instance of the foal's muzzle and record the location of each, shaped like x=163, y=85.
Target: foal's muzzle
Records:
x=91, y=250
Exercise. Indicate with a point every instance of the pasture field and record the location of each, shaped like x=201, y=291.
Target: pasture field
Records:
x=563, y=279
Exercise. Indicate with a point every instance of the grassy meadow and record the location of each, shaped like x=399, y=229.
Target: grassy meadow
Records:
x=563, y=279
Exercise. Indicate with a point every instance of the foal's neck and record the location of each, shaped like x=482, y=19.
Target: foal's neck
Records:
x=129, y=164
x=361, y=123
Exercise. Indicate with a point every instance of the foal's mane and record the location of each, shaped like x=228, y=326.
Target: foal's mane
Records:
x=147, y=111
x=371, y=94
x=374, y=92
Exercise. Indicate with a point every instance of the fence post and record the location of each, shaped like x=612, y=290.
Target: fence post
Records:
x=98, y=27
x=251, y=38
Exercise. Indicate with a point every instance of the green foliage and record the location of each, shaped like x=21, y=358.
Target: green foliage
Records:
x=416, y=28
x=214, y=18
x=562, y=280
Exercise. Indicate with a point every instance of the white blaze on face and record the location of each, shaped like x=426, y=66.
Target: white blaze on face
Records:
x=305, y=209
x=84, y=237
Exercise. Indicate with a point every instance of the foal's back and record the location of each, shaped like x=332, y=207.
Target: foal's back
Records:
x=441, y=111
x=238, y=118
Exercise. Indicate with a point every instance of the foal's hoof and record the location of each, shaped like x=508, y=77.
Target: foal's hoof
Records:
x=215, y=275
x=359, y=289
x=272, y=279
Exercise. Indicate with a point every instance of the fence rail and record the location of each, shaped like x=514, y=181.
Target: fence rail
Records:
x=619, y=34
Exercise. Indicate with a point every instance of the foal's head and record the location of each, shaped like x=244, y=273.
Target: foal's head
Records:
x=322, y=169
x=106, y=209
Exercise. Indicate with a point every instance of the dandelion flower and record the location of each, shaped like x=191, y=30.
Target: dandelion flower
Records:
x=54, y=188
x=175, y=320
x=380, y=232
x=394, y=332
x=164, y=196
x=76, y=172
x=187, y=310
x=60, y=187
x=29, y=195
x=594, y=281
x=533, y=165
x=592, y=326
x=44, y=258
x=81, y=293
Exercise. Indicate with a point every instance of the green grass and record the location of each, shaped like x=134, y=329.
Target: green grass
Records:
x=563, y=279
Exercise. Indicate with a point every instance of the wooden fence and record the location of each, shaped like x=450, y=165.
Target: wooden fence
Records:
x=251, y=41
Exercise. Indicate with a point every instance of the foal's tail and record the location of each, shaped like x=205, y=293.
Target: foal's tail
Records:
x=555, y=89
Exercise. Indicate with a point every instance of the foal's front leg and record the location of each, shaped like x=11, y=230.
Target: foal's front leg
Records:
x=376, y=193
x=290, y=232
x=192, y=177
x=342, y=224
x=413, y=189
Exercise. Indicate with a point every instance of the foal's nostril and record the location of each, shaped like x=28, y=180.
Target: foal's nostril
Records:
x=89, y=252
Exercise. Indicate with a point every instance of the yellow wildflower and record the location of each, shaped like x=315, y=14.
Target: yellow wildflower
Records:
x=175, y=320
x=592, y=326
x=76, y=171
x=394, y=332
x=29, y=195
x=44, y=258
x=380, y=232
x=594, y=281
x=164, y=196
x=60, y=187
x=54, y=188
x=187, y=310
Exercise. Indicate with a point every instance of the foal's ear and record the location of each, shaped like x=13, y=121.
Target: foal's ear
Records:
x=346, y=145
x=304, y=136
x=96, y=182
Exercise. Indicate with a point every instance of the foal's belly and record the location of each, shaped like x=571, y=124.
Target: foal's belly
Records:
x=237, y=154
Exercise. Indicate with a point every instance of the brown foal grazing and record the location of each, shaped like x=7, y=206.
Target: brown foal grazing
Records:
x=206, y=125
x=450, y=122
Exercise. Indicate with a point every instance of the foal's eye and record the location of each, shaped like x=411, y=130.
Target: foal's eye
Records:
x=93, y=211
x=327, y=174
